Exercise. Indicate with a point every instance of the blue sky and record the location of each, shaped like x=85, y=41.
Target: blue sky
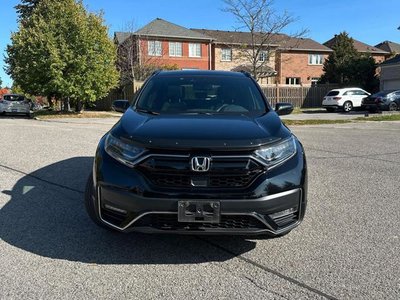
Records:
x=368, y=21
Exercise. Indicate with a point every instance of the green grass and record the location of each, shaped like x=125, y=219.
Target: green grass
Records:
x=314, y=122
x=48, y=114
x=394, y=117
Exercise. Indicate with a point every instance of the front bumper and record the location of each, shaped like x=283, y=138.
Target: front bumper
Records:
x=237, y=216
x=273, y=204
x=336, y=106
x=12, y=110
x=374, y=106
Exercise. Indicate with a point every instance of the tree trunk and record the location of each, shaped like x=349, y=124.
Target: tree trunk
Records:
x=66, y=107
x=79, y=106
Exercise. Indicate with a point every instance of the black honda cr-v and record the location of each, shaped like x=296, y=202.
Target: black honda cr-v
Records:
x=199, y=152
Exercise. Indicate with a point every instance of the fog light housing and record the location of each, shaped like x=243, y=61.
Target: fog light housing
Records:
x=116, y=209
x=283, y=213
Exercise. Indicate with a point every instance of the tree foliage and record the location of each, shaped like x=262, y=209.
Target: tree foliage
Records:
x=264, y=24
x=337, y=64
x=62, y=50
x=1, y=82
x=25, y=8
x=346, y=66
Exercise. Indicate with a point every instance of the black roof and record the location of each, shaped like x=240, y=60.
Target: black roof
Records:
x=202, y=73
x=392, y=61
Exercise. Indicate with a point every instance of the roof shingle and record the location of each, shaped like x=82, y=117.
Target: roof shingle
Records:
x=277, y=40
x=161, y=28
x=359, y=46
x=389, y=46
x=121, y=36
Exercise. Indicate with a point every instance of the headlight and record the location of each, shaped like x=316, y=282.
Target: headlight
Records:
x=277, y=153
x=122, y=151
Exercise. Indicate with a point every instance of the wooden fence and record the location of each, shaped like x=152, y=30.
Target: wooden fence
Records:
x=304, y=97
x=126, y=92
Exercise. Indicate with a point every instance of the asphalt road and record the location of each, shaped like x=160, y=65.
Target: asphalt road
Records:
x=348, y=246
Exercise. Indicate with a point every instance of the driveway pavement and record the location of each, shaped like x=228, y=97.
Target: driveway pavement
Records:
x=348, y=246
x=321, y=114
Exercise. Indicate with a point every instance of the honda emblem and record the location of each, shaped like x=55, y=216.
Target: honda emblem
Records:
x=200, y=164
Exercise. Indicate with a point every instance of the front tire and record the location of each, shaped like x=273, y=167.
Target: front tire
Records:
x=330, y=109
x=393, y=106
x=347, y=106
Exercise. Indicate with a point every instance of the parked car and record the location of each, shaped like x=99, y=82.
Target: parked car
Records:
x=120, y=105
x=345, y=99
x=385, y=100
x=15, y=104
x=199, y=152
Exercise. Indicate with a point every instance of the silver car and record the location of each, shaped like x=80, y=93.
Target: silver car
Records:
x=15, y=104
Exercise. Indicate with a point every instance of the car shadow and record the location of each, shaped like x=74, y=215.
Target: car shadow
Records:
x=11, y=117
x=46, y=216
x=341, y=112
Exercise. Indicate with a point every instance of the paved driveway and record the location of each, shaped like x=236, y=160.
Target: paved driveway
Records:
x=321, y=114
x=347, y=248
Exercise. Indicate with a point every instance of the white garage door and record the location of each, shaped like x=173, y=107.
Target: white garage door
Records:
x=391, y=84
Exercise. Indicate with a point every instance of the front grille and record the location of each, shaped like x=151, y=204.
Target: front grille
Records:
x=225, y=172
x=170, y=222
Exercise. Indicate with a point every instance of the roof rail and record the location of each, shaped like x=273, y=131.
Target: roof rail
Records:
x=245, y=73
x=155, y=72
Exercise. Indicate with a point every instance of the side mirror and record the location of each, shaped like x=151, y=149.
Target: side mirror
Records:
x=283, y=108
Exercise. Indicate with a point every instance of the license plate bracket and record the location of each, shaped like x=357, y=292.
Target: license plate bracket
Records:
x=199, y=211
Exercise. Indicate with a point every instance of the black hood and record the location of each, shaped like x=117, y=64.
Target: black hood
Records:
x=200, y=131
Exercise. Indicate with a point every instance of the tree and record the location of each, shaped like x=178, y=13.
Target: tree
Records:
x=336, y=66
x=362, y=72
x=25, y=8
x=265, y=25
x=1, y=82
x=346, y=66
x=62, y=50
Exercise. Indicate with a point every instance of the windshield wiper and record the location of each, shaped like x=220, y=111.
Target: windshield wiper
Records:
x=147, y=111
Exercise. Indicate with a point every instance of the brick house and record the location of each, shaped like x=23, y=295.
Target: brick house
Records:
x=228, y=54
x=291, y=61
x=378, y=54
x=300, y=61
x=162, y=43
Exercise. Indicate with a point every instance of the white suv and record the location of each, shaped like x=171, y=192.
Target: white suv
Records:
x=15, y=104
x=346, y=99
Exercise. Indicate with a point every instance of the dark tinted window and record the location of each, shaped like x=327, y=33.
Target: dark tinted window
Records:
x=333, y=93
x=382, y=94
x=14, y=97
x=201, y=94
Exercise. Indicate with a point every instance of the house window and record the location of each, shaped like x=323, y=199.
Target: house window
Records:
x=263, y=56
x=155, y=48
x=293, y=80
x=175, y=49
x=314, y=80
x=315, y=59
x=226, y=54
x=194, y=50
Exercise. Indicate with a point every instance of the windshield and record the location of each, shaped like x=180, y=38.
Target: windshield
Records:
x=382, y=94
x=201, y=94
x=13, y=97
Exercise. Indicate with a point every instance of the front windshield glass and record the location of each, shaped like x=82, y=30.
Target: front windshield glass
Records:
x=201, y=94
